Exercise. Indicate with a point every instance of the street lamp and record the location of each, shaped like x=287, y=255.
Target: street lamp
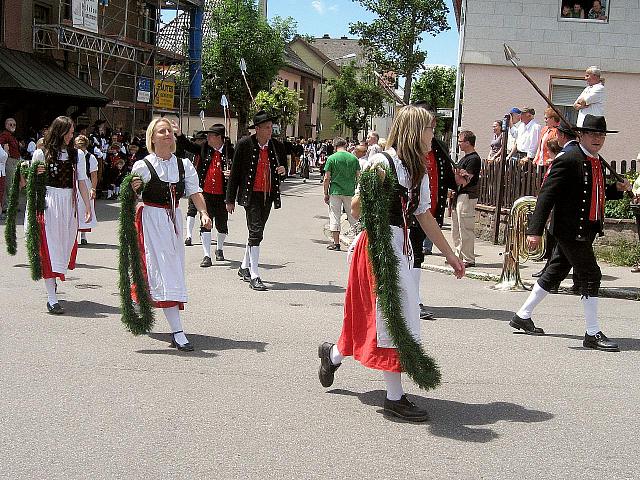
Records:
x=343, y=57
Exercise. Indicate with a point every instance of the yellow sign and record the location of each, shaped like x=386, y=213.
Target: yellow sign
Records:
x=163, y=94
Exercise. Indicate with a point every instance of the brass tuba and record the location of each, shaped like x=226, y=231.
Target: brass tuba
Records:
x=516, y=245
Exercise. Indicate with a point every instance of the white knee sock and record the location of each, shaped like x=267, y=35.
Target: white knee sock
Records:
x=220, y=241
x=590, y=305
x=336, y=356
x=173, y=317
x=393, y=381
x=83, y=235
x=50, y=285
x=254, y=254
x=535, y=297
x=415, y=272
x=191, y=221
x=206, y=243
x=247, y=259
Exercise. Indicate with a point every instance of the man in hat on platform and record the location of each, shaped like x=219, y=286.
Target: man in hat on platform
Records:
x=573, y=194
x=213, y=165
x=258, y=165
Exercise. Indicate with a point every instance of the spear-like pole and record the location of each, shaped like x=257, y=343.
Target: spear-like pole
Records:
x=243, y=70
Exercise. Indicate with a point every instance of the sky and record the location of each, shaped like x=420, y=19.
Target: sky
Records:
x=317, y=17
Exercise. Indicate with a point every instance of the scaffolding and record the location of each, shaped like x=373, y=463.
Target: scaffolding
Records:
x=122, y=46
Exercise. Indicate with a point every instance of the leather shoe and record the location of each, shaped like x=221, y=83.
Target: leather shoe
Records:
x=219, y=256
x=334, y=246
x=426, y=314
x=327, y=369
x=187, y=242
x=599, y=341
x=405, y=409
x=83, y=241
x=206, y=262
x=525, y=324
x=469, y=264
x=55, y=309
x=256, y=284
x=244, y=274
x=185, y=347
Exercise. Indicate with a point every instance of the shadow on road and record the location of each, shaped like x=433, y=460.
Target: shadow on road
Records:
x=94, y=267
x=98, y=246
x=305, y=286
x=205, y=345
x=88, y=309
x=457, y=420
x=235, y=264
x=465, y=313
x=626, y=344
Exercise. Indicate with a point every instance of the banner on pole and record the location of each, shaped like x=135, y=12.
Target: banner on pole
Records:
x=85, y=15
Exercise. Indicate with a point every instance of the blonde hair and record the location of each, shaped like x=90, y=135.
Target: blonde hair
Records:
x=406, y=138
x=81, y=142
x=151, y=128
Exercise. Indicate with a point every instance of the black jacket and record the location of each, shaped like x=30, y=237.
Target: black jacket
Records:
x=243, y=170
x=446, y=177
x=204, y=151
x=567, y=191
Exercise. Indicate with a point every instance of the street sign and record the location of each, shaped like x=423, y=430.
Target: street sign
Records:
x=84, y=14
x=163, y=94
x=144, y=90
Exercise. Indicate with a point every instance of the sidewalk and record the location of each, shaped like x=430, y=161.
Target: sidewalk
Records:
x=617, y=282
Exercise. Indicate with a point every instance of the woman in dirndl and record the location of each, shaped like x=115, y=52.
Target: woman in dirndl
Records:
x=366, y=335
x=159, y=222
x=91, y=168
x=65, y=168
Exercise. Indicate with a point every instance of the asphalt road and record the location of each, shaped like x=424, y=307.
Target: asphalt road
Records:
x=83, y=398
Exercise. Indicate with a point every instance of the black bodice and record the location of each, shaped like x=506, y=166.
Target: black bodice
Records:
x=158, y=192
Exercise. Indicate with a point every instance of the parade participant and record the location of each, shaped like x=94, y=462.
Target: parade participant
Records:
x=574, y=194
x=255, y=184
x=213, y=167
x=440, y=170
x=65, y=168
x=4, y=155
x=381, y=326
x=91, y=169
x=8, y=138
x=200, y=138
x=159, y=222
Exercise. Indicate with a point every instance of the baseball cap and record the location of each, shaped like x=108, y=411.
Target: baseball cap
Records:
x=515, y=110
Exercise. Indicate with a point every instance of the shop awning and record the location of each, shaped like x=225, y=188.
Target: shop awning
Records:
x=24, y=73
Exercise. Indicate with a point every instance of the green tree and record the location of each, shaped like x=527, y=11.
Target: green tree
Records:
x=436, y=85
x=354, y=99
x=280, y=102
x=392, y=39
x=238, y=30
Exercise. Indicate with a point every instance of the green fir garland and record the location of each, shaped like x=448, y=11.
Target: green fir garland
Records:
x=130, y=265
x=36, y=203
x=12, y=213
x=376, y=196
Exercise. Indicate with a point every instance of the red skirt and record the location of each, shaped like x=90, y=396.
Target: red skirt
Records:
x=358, y=338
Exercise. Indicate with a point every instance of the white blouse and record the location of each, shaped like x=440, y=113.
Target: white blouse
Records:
x=81, y=167
x=403, y=178
x=167, y=171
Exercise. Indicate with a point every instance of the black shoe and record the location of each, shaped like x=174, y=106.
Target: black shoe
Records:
x=538, y=274
x=405, y=409
x=525, y=324
x=185, y=347
x=334, y=246
x=187, y=242
x=426, y=314
x=219, y=256
x=206, y=262
x=327, y=369
x=244, y=274
x=256, y=284
x=427, y=252
x=55, y=309
x=599, y=341
x=83, y=241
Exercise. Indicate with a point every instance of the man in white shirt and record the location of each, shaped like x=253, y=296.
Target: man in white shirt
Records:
x=527, y=136
x=514, y=122
x=373, y=147
x=591, y=100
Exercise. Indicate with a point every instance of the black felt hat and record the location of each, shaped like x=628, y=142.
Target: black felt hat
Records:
x=216, y=129
x=594, y=123
x=200, y=135
x=262, y=117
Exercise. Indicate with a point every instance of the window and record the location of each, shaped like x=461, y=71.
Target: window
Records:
x=286, y=83
x=41, y=13
x=295, y=86
x=564, y=92
x=584, y=10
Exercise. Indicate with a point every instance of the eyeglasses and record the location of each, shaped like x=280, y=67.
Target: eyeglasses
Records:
x=596, y=134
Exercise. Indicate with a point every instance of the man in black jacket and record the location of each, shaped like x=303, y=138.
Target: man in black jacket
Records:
x=213, y=169
x=574, y=194
x=258, y=165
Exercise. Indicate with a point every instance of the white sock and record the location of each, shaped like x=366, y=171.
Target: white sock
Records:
x=191, y=221
x=206, y=243
x=535, y=297
x=590, y=305
x=83, y=235
x=117, y=191
x=254, y=254
x=50, y=285
x=109, y=193
x=335, y=355
x=220, y=241
x=173, y=317
x=247, y=259
x=415, y=272
x=393, y=381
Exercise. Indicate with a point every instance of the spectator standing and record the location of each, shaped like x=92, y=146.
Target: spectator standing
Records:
x=597, y=11
x=90, y=166
x=514, y=123
x=373, y=146
x=496, y=144
x=527, y=135
x=3, y=162
x=360, y=151
x=636, y=201
x=463, y=218
x=341, y=174
x=591, y=100
x=7, y=137
x=549, y=132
